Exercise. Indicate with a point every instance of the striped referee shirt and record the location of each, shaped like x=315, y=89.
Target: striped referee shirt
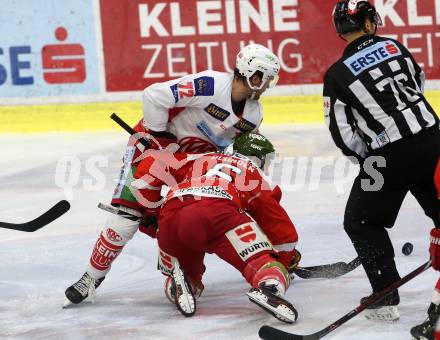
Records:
x=373, y=96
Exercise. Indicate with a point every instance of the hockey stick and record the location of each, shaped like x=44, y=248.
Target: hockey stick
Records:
x=49, y=216
x=327, y=271
x=271, y=333
x=130, y=214
x=121, y=211
x=129, y=129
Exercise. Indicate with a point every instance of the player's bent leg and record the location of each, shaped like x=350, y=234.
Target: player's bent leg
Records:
x=108, y=246
x=247, y=248
x=193, y=275
x=265, y=271
x=270, y=280
x=179, y=289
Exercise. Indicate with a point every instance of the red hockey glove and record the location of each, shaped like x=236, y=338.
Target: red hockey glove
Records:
x=434, y=248
x=148, y=223
x=289, y=259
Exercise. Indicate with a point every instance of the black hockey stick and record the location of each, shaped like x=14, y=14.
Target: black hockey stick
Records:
x=271, y=333
x=49, y=216
x=129, y=129
x=327, y=271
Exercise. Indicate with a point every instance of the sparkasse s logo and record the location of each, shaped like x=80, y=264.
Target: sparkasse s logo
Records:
x=62, y=62
x=246, y=233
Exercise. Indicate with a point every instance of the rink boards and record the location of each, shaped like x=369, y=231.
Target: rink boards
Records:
x=95, y=116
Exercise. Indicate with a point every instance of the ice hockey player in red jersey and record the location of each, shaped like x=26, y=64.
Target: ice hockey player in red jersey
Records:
x=425, y=331
x=220, y=203
x=201, y=112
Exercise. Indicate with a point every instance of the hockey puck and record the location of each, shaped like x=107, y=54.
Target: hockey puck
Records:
x=407, y=248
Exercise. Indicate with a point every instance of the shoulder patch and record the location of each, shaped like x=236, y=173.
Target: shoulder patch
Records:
x=372, y=56
x=182, y=89
x=217, y=112
x=204, y=86
x=244, y=125
x=173, y=89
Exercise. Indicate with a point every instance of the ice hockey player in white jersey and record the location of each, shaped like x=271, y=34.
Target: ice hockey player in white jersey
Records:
x=200, y=112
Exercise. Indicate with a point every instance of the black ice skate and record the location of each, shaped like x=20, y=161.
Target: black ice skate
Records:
x=181, y=291
x=426, y=330
x=83, y=288
x=385, y=309
x=266, y=297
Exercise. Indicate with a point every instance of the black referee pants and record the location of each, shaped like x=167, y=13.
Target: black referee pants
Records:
x=410, y=166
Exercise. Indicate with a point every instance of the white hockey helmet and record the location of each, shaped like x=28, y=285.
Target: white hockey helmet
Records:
x=255, y=57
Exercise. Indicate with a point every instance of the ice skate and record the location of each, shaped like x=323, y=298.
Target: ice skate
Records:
x=385, y=310
x=267, y=297
x=82, y=289
x=170, y=291
x=426, y=330
x=181, y=290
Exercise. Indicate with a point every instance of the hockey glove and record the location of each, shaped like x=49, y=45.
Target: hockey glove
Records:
x=434, y=248
x=289, y=259
x=148, y=225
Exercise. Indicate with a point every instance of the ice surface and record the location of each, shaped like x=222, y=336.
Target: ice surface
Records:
x=36, y=268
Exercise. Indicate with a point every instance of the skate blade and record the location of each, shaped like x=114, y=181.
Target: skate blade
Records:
x=385, y=313
x=67, y=303
x=281, y=312
x=186, y=305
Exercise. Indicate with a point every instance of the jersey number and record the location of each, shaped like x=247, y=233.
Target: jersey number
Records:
x=186, y=90
x=398, y=88
x=217, y=171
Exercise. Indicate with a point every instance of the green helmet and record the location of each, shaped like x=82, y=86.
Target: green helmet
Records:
x=254, y=145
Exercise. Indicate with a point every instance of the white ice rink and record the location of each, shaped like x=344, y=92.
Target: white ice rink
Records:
x=36, y=268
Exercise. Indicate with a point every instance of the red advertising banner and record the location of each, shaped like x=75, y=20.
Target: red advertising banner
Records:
x=151, y=41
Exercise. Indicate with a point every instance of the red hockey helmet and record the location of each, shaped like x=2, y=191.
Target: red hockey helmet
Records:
x=349, y=15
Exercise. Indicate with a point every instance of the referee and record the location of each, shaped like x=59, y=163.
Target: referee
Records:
x=376, y=112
